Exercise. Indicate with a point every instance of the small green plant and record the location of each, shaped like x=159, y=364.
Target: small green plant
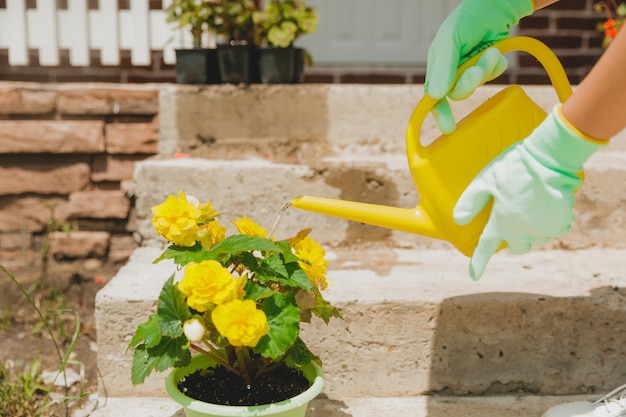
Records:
x=192, y=15
x=21, y=389
x=26, y=383
x=53, y=225
x=281, y=22
x=232, y=20
x=57, y=316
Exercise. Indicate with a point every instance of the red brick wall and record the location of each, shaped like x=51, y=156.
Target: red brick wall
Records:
x=70, y=150
x=568, y=26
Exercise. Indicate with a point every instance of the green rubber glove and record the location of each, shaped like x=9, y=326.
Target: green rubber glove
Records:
x=471, y=27
x=532, y=184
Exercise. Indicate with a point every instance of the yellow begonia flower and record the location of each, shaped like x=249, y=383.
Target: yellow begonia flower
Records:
x=313, y=262
x=210, y=234
x=208, y=282
x=299, y=236
x=207, y=211
x=240, y=322
x=177, y=220
x=248, y=227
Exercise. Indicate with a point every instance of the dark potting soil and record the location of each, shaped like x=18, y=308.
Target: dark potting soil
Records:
x=221, y=386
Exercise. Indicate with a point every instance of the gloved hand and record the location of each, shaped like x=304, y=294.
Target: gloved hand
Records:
x=532, y=184
x=471, y=27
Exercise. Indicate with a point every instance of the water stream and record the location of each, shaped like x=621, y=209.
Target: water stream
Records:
x=279, y=215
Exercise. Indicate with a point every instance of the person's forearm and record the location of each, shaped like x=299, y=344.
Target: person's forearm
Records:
x=598, y=106
x=540, y=4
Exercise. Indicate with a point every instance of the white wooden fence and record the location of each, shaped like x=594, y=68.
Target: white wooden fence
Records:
x=352, y=32
x=79, y=30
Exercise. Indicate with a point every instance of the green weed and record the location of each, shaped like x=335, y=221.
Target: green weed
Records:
x=26, y=382
x=22, y=391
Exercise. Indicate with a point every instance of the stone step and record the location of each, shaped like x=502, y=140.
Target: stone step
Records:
x=258, y=188
x=421, y=406
x=304, y=123
x=549, y=323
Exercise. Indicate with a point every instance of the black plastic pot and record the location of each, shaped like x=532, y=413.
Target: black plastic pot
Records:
x=276, y=65
x=235, y=63
x=299, y=63
x=197, y=66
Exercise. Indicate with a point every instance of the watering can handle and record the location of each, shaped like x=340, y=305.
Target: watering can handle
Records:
x=540, y=51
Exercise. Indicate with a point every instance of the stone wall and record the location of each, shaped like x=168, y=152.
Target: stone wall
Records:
x=67, y=154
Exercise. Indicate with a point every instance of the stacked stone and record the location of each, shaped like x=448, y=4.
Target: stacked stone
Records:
x=67, y=154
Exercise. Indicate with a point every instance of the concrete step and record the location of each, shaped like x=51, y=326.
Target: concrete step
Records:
x=303, y=123
x=422, y=406
x=258, y=188
x=549, y=322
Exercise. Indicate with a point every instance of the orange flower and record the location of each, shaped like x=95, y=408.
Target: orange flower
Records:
x=609, y=28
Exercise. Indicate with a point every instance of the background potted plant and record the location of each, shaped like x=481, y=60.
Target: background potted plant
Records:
x=239, y=306
x=198, y=65
x=278, y=26
x=232, y=22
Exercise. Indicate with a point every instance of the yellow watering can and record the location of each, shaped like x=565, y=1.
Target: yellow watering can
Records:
x=442, y=170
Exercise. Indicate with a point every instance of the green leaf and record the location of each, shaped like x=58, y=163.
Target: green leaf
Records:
x=148, y=333
x=621, y=9
x=283, y=316
x=301, y=358
x=300, y=355
x=323, y=309
x=255, y=291
x=289, y=276
x=248, y=259
x=276, y=264
x=268, y=271
x=235, y=244
x=282, y=36
x=168, y=353
x=184, y=255
x=288, y=255
x=297, y=277
x=172, y=309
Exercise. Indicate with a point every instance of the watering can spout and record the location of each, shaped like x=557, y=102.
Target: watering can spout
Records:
x=414, y=220
x=443, y=169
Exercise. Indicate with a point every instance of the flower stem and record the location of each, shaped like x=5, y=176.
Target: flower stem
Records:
x=243, y=358
x=271, y=365
x=606, y=8
x=216, y=351
x=217, y=358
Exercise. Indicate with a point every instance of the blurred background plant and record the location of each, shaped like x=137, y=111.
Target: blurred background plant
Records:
x=193, y=15
x=282, y=22
x=615, y=14
x=36, y=308
x=21, y=388
x=231, y=20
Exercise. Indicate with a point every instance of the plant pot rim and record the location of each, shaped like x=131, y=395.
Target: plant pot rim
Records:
x=199, y=362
